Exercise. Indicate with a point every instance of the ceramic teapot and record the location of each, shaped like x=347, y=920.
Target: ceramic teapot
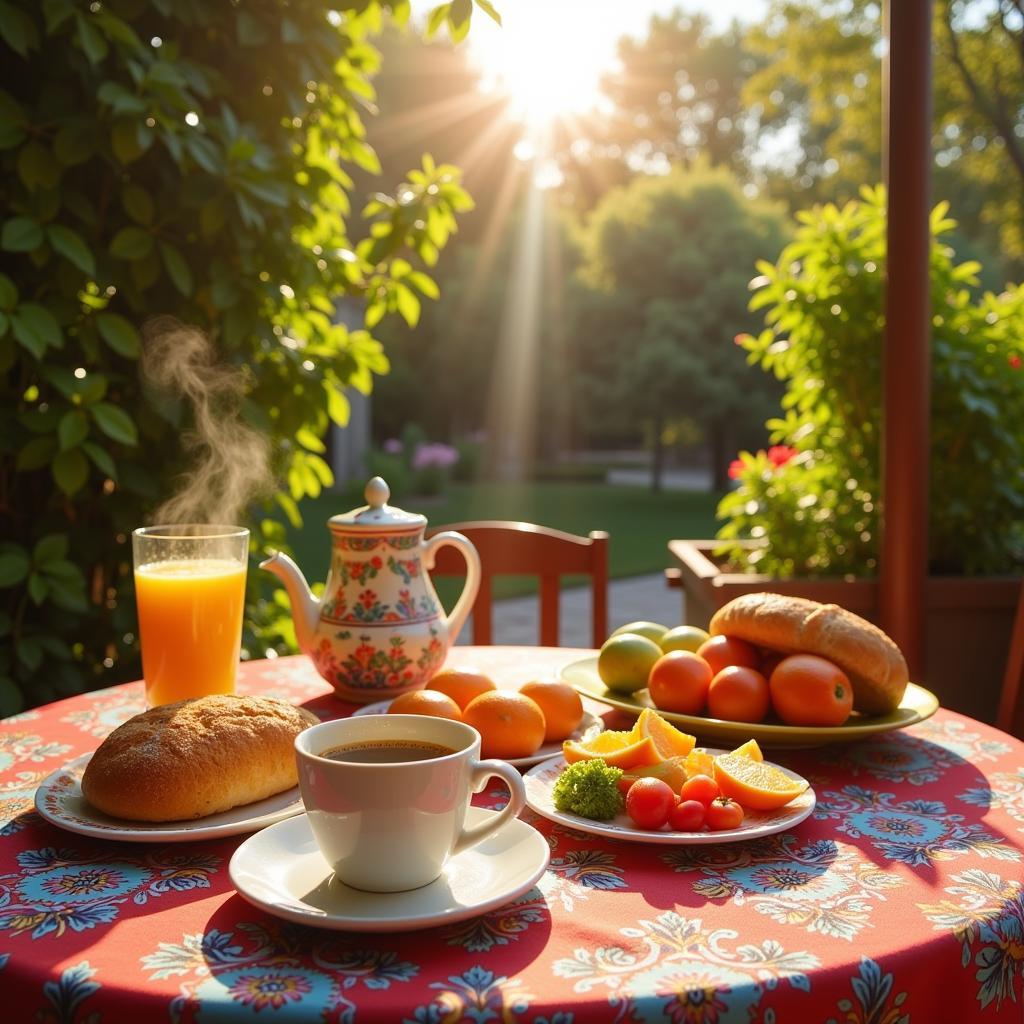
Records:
x=379, y=628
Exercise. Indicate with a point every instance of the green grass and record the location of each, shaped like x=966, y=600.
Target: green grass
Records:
x=640, y=522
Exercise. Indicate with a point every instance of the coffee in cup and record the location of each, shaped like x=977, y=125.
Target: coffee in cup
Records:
x=387, y=795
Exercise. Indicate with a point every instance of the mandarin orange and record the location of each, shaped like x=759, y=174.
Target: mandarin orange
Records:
x=561, y=704
x=461, y=684
x=425, y=702
x=510, y=725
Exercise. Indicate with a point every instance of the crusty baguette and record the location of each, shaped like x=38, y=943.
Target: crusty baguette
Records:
x=196, y=757
x=874, y=664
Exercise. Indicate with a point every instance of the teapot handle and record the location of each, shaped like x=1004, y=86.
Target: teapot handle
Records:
x=454, y=622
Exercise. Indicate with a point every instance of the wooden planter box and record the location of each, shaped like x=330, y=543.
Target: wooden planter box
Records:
x=968, y=622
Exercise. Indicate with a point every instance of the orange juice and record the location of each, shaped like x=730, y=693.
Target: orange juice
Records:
x=190, y=626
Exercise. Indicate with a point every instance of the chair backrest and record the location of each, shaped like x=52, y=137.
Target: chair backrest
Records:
x=523, y=549
x=1011, y=703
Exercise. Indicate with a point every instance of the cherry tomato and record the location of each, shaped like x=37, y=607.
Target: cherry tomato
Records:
x=649, y=802
x=722, y=651
x=808, y=690
x=699, y=787
x=687, y=816
x=679, y=681
x=739, y=694
x=723, y=814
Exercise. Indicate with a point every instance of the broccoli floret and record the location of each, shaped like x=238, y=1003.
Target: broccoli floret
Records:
x=589, y=789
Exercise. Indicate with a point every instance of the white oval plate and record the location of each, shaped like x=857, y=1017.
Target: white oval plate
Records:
x=540, y=781
x=60, y=801
x=543, y=753
x=281, y=870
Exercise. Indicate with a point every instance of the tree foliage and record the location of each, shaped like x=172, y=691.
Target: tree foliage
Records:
x=174, y=156
x=667, y=260
x=817, y=513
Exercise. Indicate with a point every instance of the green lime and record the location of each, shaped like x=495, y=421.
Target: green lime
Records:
x=625, y=661
x=683, y=638
x=652, y=630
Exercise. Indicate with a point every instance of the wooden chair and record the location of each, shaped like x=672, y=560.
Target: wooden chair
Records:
x=1011, y=704
x=523, y=549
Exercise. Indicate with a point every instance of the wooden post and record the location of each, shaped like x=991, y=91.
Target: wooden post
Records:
x=906, y=363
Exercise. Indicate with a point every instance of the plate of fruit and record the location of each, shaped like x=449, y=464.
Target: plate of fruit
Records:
x=782, y=670
x=523, y=726
x=652, y=784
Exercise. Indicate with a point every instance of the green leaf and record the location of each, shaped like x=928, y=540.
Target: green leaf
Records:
x=131, y=243
x=488, y=8
x=115, y=423
x=55, y=13
x=73, y=429
x=138, y=203
x=8, y=293
x=436, y=19
x=30, y=654
x=100, y=459
x=21, y=235
x=14, y=566
x=75, y=141
x=124, y=138
x=426, y=284
x=93, y=43
x=408, y=304
x=459, y=19
x=70, y=244
x=36, y=453
x=37, y=167
x=120, y=99
x=51, y=548
x=36, y=328
x=177, y=268
x=18, y=30
x=70, y=471
x=119, y=334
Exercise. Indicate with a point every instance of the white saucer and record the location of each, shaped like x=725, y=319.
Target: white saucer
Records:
x=540, y=781
x=544, y=752
x=281, y=870
x=59, y=800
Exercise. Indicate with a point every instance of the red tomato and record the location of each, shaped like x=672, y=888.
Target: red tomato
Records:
x=722, y=651
x=739, y=694
x=649, y=802
x=679, y=681
x=808, y=690
x=699, y=787
x=687, y=816
x=723, y=814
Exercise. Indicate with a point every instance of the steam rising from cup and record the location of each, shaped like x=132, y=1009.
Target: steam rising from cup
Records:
x=231, y=460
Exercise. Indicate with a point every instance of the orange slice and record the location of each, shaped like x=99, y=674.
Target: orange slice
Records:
x=754, y=784
x=672, y=770
x=699, y=762
x=670, y=741
x=750, y=749
x=632, y=756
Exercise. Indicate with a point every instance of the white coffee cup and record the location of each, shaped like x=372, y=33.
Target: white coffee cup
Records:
x=392, y=825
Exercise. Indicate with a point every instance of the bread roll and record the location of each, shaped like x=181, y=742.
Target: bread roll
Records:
x=196, y=757
x=874, y=664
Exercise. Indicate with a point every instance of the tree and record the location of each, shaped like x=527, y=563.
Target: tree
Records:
x=193, y=159
x=818, y=94
x=667, y=260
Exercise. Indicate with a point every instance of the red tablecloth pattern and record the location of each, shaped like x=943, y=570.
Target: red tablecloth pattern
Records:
x=901, y=900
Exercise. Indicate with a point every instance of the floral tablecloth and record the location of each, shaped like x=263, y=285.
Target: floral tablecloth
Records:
x=900, y=900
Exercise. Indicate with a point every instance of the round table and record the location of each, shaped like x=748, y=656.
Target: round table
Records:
x=900, y=900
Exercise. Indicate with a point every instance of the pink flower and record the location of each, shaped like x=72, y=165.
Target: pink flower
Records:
x=780, y=454
x=393, y=446
x=435, y=454
x=735, y=469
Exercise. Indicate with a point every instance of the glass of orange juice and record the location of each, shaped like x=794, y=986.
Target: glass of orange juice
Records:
x=190, y=593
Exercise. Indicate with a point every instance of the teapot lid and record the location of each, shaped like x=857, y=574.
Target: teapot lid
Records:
x=377, y=513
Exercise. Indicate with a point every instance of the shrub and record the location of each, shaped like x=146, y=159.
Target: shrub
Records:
x=816, y=509
x=191, y=159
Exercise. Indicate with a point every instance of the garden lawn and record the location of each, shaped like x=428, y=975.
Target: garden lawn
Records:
x=640, y=522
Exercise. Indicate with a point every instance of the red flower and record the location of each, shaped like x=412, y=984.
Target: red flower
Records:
x=376, y=562
x=1015, y=361
x=368, y=598
x=735, y=469
x=780, y=454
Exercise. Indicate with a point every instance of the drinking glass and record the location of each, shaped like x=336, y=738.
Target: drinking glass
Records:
x=190, y=592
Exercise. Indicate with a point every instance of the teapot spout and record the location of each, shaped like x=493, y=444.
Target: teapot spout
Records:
x=305, y=607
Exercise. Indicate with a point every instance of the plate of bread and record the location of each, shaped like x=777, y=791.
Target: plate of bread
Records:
x=779, y=626
x=197, y=769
